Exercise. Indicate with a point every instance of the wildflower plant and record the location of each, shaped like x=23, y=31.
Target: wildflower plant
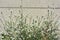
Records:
x=43, y=28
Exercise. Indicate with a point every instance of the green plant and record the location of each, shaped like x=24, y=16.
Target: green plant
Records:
x=43, y=28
